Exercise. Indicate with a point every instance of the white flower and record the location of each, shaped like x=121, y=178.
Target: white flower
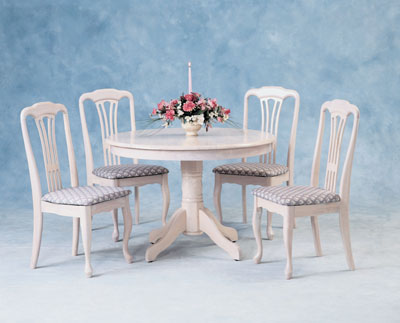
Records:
x=180, y=112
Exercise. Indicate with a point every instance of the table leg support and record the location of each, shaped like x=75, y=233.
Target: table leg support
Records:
x=192, y=218
x=208, y=224
x=173, y=229
x=157, y=234
x=228, y=232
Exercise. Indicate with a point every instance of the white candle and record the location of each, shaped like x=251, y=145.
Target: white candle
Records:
x=190, y=76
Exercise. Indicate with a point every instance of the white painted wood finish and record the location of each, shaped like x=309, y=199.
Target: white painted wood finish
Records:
x=106, y=101
x=173, y=144
x=45, y=113
x=339, y=111
x=271, y=100
x=192, y=218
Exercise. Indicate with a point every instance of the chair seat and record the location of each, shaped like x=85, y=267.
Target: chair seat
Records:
x=251, y=169
x=85, y=195
x=296, y=195
x=129, y=170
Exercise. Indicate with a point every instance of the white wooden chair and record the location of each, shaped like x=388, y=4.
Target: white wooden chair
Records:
x=266, y=172
x=79, y=202
x=113, y=173
x=297, y=201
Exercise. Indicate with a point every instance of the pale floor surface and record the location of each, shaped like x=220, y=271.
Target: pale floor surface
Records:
x=195, y=281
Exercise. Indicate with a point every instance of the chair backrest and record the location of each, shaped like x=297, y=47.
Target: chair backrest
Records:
x=271, y=100
x=44, y=114
x=106, y=101
x=339, y=111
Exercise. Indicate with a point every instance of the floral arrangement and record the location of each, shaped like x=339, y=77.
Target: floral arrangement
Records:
x=191, y=108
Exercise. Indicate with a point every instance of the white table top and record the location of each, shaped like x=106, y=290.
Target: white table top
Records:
x=173, y=144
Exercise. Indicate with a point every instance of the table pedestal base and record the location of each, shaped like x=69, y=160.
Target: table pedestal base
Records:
x=192, y=218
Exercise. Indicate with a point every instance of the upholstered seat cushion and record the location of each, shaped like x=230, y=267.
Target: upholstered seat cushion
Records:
x=296, y=195
x=85, y=195
x=129, y=170
x=251, y=169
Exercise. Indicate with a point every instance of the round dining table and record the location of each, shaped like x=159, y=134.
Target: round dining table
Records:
x=192, y=218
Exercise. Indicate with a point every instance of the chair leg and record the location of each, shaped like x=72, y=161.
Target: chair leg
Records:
x=345, y=230
x=115, y=235
x=217, y=195
x=270, y=233
x=137, y=205
x=317, y=240
x=75, y=236
x=257, y=231
x=37, y=236
x=288, y=220
x=166, y=198
x=86, y=227
x=126, y=212
x=244, y=203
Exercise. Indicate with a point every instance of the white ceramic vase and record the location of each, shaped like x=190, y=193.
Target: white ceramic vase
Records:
x=191, y=129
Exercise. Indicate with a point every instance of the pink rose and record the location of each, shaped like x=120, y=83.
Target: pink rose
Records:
x=189, y=97
x=196, y=96
x=162, y=104
x=220, y=119
x=188, y=106
x=154, y=111
x=202, y=103
x=213, y=103
x=169, y=115
x=173, y=103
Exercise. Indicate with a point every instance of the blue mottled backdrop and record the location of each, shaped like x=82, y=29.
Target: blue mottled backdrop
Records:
x=56, y=50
